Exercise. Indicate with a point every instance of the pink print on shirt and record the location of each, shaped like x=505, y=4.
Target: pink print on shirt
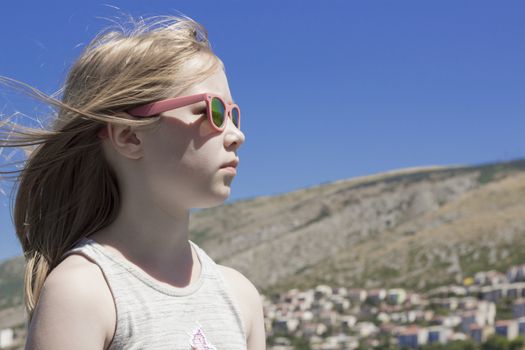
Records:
x=198, y=341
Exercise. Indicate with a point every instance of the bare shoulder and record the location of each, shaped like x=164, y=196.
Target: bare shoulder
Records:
x=239, y=282
x=249, y=300
x=75, y=309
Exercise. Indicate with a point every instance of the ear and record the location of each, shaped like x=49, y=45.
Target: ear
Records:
x=125, y=140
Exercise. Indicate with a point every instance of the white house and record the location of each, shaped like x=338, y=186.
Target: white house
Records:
x=6, y=337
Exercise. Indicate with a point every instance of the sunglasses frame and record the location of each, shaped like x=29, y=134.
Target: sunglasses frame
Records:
x=155, y=108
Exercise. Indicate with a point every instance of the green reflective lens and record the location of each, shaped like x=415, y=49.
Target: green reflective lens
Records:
x=235, y=117
x=217, y=112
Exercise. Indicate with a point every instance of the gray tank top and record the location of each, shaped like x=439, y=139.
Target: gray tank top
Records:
x=151, y=315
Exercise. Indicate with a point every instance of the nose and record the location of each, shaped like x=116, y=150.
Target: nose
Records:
x=233, y=135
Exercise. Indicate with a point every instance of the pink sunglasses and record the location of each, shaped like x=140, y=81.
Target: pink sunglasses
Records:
x=216, y=109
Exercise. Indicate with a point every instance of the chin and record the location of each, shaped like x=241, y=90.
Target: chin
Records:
x=215, y=201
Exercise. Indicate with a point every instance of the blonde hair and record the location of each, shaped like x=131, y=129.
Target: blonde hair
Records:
x=67, y=189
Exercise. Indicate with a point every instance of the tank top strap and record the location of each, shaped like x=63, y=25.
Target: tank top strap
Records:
x=85, y=248
x=221, y=285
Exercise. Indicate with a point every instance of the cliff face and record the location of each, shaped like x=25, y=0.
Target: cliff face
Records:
x=414, y=228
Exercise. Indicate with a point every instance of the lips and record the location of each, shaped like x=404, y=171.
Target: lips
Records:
x=232, y=164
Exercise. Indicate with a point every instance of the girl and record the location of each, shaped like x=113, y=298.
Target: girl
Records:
x=146, y=130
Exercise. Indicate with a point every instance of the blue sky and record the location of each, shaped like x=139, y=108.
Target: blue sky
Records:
x=328, y=89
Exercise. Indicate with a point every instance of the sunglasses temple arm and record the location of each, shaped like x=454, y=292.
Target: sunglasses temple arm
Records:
x=165, y=105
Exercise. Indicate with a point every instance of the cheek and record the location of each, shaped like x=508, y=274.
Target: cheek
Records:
x=183, y=167
x=175, y=161
x=167, y=144
x=194, y=146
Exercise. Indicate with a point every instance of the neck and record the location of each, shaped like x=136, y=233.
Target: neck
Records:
x=154, y=240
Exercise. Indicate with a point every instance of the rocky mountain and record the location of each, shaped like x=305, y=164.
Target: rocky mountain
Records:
x=414, y=228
